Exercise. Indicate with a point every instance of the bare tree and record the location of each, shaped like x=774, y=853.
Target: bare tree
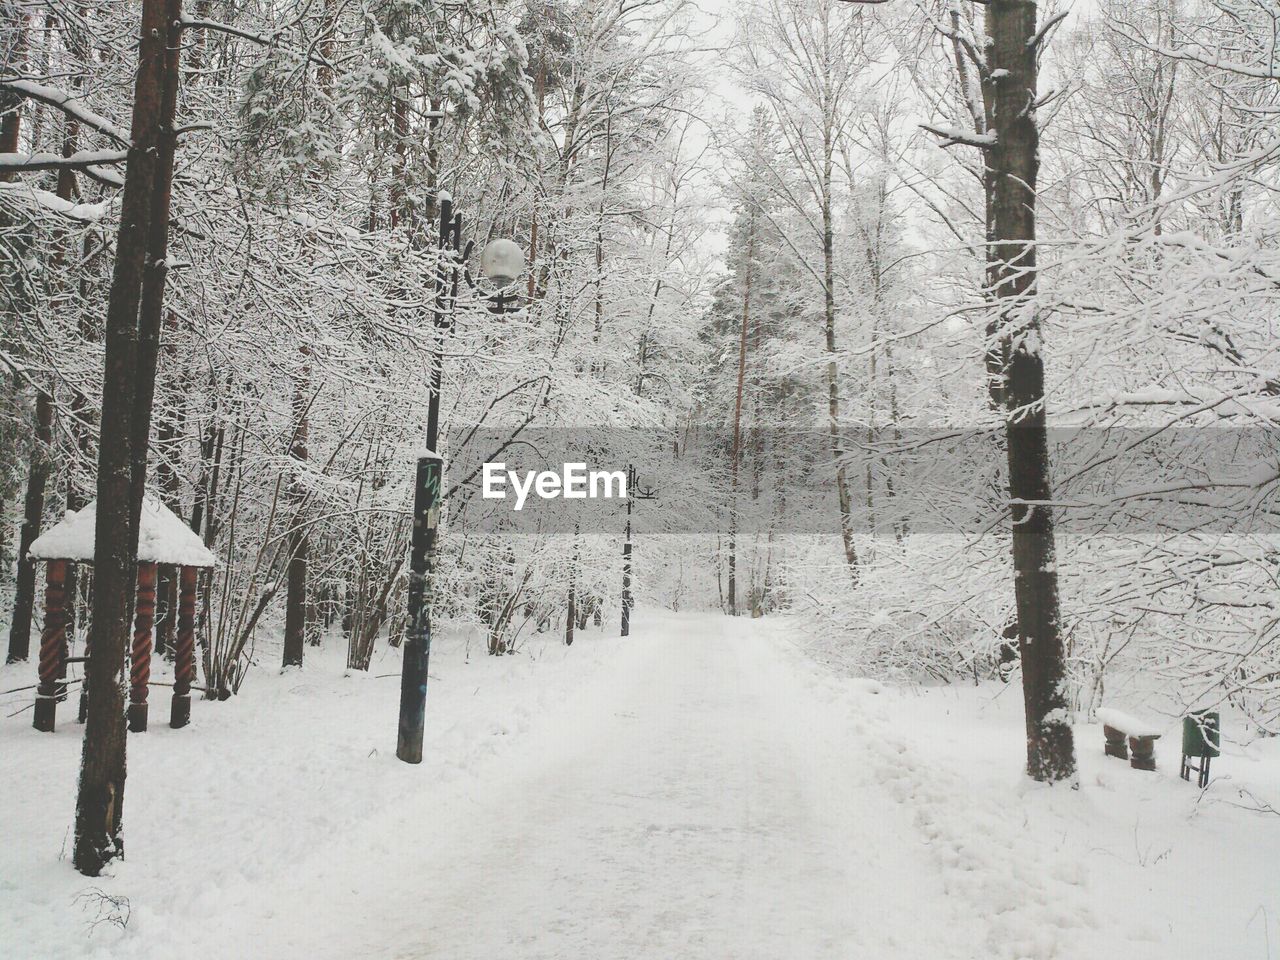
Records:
x=804, y=58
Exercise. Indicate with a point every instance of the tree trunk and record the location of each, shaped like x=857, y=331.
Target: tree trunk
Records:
x=151, y=311
x=981, y=109
x=33, y=513
x=41, y=460
x=399, y=194
x=100, y=799
x=156, y=270
x=1013, y=164
x=11, y=104
x=833, y=375
x=604, y=196
x=77, y=580
x=571, y=606
x=295, y=605
x=737, y=415
x=168, y=442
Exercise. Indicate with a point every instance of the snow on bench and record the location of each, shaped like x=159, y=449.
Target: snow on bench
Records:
x=1141, y=734
x=1128, y=724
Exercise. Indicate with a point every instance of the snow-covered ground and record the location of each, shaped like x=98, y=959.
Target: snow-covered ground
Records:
x=700, y=790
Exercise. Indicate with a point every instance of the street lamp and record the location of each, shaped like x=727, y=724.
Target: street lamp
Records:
x=501, y=262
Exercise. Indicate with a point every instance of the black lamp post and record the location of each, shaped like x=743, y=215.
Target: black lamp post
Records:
x=634, y=492
x=501, y=262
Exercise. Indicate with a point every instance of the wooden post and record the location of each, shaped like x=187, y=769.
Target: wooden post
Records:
x=53, y=646
x=1115, y=743
x=140, y=659
x=1143, y=750
x=184, y=666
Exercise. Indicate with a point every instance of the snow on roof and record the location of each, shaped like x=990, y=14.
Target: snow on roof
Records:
x=162, y=538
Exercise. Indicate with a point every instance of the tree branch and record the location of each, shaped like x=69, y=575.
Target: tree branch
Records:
x=263, y=39
x=81, y=160
x=68, y=104
x=1043, y=33
x=952, y=137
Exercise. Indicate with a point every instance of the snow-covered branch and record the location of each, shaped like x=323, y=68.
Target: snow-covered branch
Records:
x=80, y=160
x=70, y=104
x=953, y=137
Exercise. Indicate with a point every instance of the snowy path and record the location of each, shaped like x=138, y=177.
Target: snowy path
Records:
x=693, y=805
x=699, y=791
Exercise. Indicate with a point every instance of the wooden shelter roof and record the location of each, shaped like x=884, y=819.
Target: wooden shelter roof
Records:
x=162, y=538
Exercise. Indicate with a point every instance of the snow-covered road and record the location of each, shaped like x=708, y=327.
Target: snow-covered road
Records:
x=700, y=791
x=693, y=803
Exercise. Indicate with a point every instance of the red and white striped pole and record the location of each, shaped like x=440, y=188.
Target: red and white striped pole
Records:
x=53, y=647
x=140, y=658
x=184, y=659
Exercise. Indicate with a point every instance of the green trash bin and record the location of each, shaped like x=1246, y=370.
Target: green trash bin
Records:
x=1200, y=734
x=1201, y=739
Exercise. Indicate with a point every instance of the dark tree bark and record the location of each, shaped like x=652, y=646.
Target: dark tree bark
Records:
x=1009, y=89
x=151, y=313
x=571, y=612
x=295, y=612
x=295, y=605
x=100, y=800
x=571, y=607
x=156, y=270
x=32, y=514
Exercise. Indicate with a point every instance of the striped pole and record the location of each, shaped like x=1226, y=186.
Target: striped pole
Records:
x=53, y=647
x=184, y=659
x=140, y=659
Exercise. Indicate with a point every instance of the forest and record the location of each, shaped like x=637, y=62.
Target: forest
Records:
x=941, y=331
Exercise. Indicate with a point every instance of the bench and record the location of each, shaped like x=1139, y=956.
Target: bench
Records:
x=1119, y=727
